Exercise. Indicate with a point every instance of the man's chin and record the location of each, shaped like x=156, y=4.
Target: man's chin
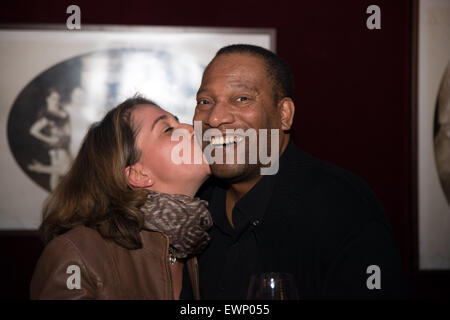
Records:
x=231, y=172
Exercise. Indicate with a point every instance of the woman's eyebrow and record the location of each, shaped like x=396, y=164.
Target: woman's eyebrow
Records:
x=163, y=117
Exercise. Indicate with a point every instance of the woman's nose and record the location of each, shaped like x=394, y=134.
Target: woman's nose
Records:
x=189, y=128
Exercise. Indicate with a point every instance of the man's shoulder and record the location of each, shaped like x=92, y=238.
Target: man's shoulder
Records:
x=301, y=168
x=330, y=191
x=326, y=203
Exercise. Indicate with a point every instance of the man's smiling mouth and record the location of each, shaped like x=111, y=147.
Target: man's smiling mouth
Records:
x=224, y=141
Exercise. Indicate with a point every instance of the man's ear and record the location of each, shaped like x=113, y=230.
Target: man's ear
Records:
x=137, y=177
x=287, y=111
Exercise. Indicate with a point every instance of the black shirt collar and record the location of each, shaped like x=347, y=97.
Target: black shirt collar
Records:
x=251, y=208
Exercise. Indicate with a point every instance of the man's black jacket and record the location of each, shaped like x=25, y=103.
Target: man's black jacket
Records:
x=312, y=219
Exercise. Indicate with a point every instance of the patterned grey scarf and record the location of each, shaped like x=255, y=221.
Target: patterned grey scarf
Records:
x=182, y=218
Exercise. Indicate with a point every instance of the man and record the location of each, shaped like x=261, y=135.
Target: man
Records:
x=311, y=219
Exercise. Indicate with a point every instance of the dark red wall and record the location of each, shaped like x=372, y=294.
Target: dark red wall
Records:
x=353, y=85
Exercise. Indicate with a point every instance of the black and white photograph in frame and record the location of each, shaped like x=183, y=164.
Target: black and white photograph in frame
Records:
x=61, y=82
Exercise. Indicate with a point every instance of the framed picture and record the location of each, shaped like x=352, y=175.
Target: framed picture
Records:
x=57, y=82
x=431, y=132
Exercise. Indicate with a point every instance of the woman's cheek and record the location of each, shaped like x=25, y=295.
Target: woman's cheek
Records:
x=165, y=155
x=158, y=157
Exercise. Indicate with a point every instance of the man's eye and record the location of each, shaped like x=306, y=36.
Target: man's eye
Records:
x=168, y=129
x=242, y=99
x=203, y=101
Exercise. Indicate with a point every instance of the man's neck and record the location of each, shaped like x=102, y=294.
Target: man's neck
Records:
x=237, y=191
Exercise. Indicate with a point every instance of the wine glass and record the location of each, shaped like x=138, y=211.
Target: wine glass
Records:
x=272, y=286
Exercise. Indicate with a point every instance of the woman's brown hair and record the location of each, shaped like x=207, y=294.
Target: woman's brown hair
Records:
x=95, y=192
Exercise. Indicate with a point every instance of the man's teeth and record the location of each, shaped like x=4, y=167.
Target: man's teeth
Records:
x=220, y=141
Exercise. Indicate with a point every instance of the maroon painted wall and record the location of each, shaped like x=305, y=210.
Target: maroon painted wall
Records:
x=353, y=85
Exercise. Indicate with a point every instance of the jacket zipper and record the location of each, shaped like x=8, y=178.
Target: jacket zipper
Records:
x=168, y=269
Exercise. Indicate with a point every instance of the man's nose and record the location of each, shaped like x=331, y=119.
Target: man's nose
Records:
x=219, y=115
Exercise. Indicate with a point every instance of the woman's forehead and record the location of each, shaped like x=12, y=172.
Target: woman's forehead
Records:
x=147, y=111
x=144, y=116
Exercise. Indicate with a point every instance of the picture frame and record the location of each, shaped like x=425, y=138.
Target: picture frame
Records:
x=86, y=72
x=430, y=194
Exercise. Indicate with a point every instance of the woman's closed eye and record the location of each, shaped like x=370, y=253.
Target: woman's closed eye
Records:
x=171, y=124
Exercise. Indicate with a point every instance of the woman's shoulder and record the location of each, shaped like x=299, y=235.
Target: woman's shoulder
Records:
x=79, y=236
x=78, y=239
x=78, y=251
x=84, y=242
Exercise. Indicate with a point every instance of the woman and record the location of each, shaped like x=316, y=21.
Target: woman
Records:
x=123, y=180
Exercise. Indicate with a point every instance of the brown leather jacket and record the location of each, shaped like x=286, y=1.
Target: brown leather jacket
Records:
x=104, y=269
